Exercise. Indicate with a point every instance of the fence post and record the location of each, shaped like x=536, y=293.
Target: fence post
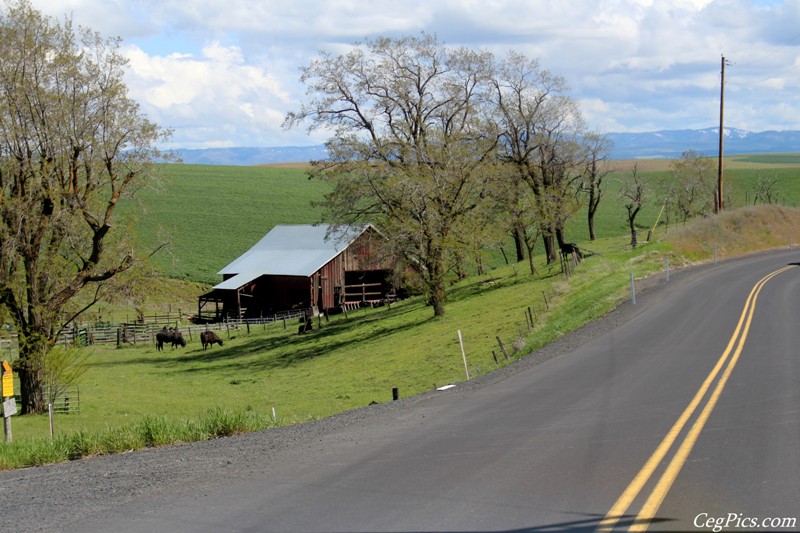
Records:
x=463, y=354
x=502, y=348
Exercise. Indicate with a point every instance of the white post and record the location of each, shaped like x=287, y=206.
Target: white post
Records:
x=50, y=414
x=633, y=291
x=463, y=354
x=666, y=260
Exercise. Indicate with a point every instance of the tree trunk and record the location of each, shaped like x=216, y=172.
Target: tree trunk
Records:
x=550, y=247
x=435, y=281
x=30, y=370
x=519, y=241
x=31, y=391
x=560, y=237
x=594, y=201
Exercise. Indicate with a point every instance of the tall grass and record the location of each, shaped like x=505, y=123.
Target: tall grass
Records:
x=149, y=432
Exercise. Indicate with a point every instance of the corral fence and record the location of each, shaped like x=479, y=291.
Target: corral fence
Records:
x=145, y=333
x=137, y=333
x=68, y=401
x=9, y=346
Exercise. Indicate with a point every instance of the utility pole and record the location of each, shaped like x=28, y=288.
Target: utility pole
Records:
x=719, y=204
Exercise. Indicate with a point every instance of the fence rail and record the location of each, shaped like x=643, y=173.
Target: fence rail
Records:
x=68, y=401
x=143, y=333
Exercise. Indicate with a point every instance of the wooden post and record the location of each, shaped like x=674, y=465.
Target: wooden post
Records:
x=463, y=354
x=502, y=348
x=7, y=425
x=547, y=305
x=7, y=395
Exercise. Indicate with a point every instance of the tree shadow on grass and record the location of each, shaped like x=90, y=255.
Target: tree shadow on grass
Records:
x=285, y=350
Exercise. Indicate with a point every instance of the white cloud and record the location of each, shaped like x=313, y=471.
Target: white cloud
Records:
x=227, y=71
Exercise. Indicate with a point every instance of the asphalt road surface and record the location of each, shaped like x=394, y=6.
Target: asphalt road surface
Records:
x=681, y=412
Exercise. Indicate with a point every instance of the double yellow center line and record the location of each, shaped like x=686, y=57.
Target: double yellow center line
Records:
x=659, y=492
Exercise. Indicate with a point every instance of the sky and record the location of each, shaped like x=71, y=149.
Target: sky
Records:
x=224, y=73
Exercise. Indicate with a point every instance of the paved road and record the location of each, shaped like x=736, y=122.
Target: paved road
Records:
x=685, y=410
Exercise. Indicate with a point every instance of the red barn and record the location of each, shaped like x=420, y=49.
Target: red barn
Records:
x=302, y=267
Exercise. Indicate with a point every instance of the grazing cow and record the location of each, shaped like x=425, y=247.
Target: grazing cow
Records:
x=177, y=338
x=209, y=338
x=169, y=336
x=571, y=248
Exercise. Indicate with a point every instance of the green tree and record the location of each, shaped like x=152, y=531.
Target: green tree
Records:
x=73, y=145
x=411, y=147
x=540, y=129
x=693, y=187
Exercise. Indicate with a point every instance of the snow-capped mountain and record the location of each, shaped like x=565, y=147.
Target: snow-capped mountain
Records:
x=669, y=144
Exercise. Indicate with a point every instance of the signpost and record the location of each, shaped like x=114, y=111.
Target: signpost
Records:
x=9, y=404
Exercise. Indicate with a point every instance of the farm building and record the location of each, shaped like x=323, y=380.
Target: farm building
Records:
x=301, y=267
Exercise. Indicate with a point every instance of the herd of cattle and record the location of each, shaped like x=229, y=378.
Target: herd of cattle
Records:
x=175, y=337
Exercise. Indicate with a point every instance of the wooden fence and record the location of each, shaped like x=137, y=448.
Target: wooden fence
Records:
x=145, y=333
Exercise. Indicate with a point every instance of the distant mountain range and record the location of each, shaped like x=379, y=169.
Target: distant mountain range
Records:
x=671, y=144
x=668, y=144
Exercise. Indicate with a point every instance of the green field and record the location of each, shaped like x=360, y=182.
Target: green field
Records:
x=209, y=214
x=354, y=360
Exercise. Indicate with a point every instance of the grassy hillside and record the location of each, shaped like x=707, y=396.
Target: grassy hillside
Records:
x=209, y=214
x=354, y=360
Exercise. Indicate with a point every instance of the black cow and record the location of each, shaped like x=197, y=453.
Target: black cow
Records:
x=169, y=336
x=571, y=248
x=209, y=338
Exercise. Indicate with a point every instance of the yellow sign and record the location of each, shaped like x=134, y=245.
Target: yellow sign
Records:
x=8, y=380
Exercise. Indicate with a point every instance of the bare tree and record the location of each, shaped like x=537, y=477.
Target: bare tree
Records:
x=633, y=193
x=411, y=149
x=73, y=146
x=765, y=190
x=595, y=168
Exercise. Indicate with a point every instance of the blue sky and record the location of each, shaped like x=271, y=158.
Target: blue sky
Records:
x=225, y=73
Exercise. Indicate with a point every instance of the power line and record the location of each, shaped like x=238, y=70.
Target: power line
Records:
x=775, y=51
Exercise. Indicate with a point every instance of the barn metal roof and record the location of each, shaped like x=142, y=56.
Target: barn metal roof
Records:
x=289, y=250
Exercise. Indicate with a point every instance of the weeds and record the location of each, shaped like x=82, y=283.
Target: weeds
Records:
x=150, y=432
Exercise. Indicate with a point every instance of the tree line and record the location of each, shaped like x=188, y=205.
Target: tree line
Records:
x=450, y=149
